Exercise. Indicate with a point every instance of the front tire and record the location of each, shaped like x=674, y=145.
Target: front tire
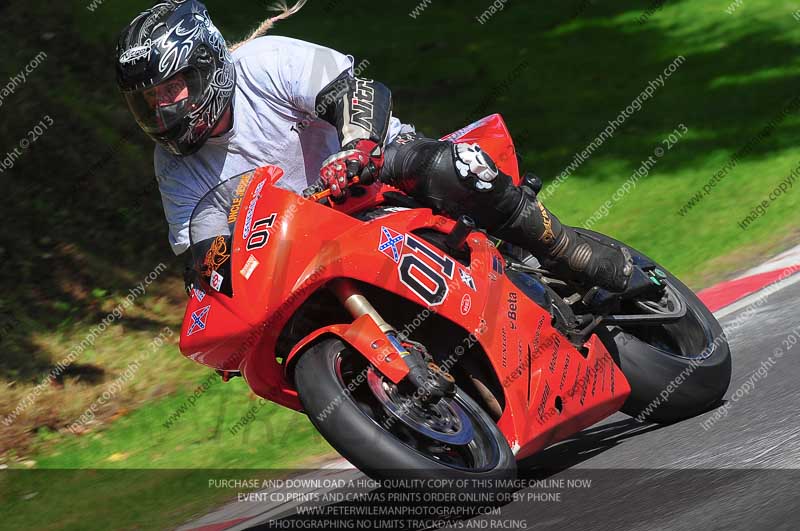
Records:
x=676, y=370
x=331, y=382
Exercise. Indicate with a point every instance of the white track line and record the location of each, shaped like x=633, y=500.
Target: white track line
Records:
x=785, y=259
x=753, y=297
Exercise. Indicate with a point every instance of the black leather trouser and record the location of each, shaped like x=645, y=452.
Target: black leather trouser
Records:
x=440, y=175
x=426, y=170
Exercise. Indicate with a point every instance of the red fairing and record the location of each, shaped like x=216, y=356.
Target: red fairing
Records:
x=493, y=136
x=551, y=390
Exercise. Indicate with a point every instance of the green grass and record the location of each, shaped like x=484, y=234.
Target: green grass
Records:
x=206, y=436
x=87, y=223
x=90, y=482
x=110, y=499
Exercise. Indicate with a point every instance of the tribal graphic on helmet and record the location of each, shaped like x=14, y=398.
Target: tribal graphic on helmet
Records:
x=176, y=73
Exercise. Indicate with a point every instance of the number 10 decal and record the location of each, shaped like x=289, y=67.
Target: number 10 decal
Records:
x=260, y=235
x=427, y=282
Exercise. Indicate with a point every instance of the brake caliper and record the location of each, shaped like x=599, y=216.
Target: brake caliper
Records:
x=429, y=381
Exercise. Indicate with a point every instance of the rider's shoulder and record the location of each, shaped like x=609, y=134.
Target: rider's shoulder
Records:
x=272, y=47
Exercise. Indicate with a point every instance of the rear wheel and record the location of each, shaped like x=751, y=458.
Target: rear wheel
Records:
x=387, y=435
x=675, y=370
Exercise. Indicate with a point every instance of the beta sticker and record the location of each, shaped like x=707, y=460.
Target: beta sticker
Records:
x=249, y=267
x=216, y=280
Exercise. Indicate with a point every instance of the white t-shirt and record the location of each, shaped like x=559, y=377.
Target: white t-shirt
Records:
x=277, y=82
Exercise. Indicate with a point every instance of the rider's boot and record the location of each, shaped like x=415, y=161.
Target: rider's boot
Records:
x=562, y=249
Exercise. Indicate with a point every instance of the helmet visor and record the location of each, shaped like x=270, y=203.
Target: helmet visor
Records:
x=159, y=108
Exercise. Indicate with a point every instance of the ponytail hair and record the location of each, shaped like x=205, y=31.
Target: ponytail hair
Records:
x=284, y=11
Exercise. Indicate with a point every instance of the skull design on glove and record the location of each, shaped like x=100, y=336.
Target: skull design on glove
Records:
x=472, y=161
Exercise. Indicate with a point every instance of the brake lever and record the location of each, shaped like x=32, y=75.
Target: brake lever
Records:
x=326, y=193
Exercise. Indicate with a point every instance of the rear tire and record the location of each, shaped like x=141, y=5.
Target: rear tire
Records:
x=675, y=371
x=370, y=446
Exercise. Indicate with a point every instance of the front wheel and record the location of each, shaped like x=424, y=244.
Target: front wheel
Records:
x=676, y=370
x=387, y=435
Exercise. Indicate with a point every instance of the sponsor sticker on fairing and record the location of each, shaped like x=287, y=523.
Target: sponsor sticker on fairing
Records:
x=497, y=264
x=249, y=267
x=466, y=304
x=248, y=219
x=216, y=280
x=236, y=202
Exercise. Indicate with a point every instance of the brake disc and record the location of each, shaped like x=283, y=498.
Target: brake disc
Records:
x=445, y=421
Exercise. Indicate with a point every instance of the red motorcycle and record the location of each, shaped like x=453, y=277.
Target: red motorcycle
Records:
x=421, y=347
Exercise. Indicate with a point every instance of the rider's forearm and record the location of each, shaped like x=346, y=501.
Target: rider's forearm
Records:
x=358, y=108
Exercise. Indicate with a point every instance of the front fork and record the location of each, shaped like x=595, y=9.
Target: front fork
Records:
x=429, y=381
x=358, y=305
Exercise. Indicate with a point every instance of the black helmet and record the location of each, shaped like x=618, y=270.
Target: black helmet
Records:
x=176, y=74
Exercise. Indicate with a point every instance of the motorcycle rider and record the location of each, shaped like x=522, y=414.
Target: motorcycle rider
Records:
x=216, y=111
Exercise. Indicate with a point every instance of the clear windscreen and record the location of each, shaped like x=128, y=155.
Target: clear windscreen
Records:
x=211, y=231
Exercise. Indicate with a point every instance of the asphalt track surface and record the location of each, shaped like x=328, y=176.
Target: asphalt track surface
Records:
x=741, y=471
